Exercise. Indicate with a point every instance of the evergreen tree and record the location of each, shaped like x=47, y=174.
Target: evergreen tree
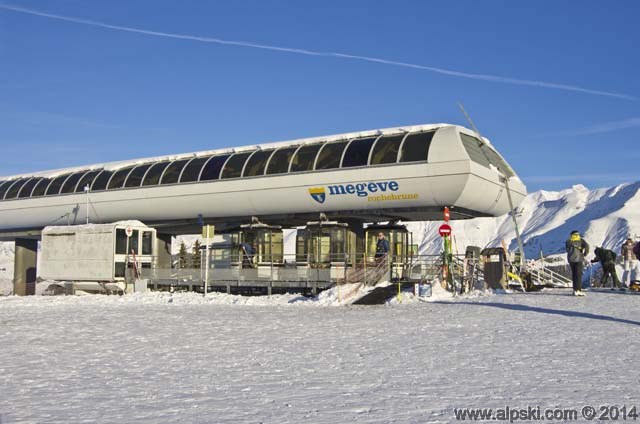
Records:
x=197, y=255
x=182, y=255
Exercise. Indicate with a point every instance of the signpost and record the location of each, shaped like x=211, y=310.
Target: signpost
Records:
x=207, y=233
x=128, y=232
x=445, y=232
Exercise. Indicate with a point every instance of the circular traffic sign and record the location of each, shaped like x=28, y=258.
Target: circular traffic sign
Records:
x=444, y=230
x=128, y=231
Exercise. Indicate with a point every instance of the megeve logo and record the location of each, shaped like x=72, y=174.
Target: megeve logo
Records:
x=360, y=189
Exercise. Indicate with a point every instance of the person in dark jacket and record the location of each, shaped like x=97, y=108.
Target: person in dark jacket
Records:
x=607, y=259
x=382, y=247
x=248, y=255
x=577, y=249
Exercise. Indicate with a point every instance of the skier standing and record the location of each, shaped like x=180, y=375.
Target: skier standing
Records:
x=577, y=249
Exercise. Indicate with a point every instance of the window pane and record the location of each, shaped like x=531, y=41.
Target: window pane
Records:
x=416, y=147
x=117, y=181
x=121, y=241
x=4, y=187
x=481, y=153
x=100, y=183
x=154, y=174
x=26, y=189
x=40, y=188
x=386, y=150
x=211, y=170
x=279, y=162
x=147, y=242
x=70, y=184
x=135, y=177
x=54, y=187
x=472, y=146
x=233, y=167
x=330, y=155
x=192, y=170
x=304, y=158
x=133, y=242
x=255, y=165
x=172, y=173
x=86, y=180
x=357, y=153
x=13, y=191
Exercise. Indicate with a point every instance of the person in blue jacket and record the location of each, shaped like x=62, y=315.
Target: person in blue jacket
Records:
x=382, y=247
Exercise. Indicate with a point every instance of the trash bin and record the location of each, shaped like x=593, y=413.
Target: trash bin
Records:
x=495, y=267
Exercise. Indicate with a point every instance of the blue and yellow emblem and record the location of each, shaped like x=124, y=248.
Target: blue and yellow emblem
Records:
x=318, y=194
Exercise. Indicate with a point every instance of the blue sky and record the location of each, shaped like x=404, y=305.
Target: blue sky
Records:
x=74, y=94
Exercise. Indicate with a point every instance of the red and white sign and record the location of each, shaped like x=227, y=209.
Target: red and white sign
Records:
x=444, y=230
x=128, y=231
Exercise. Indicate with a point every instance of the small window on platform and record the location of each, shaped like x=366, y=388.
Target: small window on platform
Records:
x=305, y=158
x=279, y=162
x=192, y=170
x=121, y=241
x=147, y=243
x=211, y=169
x=357, y=153
x=415, y=147
x=172, y=173
x=136, y=175
x=154, y=173
x=330, y=155
x=256, y=163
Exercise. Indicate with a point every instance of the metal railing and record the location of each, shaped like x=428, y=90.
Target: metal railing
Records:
x=289, y=270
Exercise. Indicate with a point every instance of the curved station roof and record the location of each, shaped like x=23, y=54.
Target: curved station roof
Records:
x=407, y=173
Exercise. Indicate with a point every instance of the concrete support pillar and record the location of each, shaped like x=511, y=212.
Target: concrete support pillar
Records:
x=24, y=272
x=163, y=251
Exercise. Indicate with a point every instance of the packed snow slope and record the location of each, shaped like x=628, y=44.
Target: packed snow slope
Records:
x=147, y=359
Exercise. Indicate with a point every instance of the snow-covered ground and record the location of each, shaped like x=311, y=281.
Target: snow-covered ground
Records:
x=158, y=358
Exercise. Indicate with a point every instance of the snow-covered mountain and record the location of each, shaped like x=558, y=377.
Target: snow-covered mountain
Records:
x=605, y=217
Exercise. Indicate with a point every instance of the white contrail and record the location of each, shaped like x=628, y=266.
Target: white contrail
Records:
x=608, y=127
x=483, y=77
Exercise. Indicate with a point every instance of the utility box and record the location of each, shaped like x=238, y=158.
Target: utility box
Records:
x=473, y=253
x=495, y=267
x=97, y=252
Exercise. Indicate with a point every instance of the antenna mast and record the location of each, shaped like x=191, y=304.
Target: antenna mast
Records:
x=512, y=211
